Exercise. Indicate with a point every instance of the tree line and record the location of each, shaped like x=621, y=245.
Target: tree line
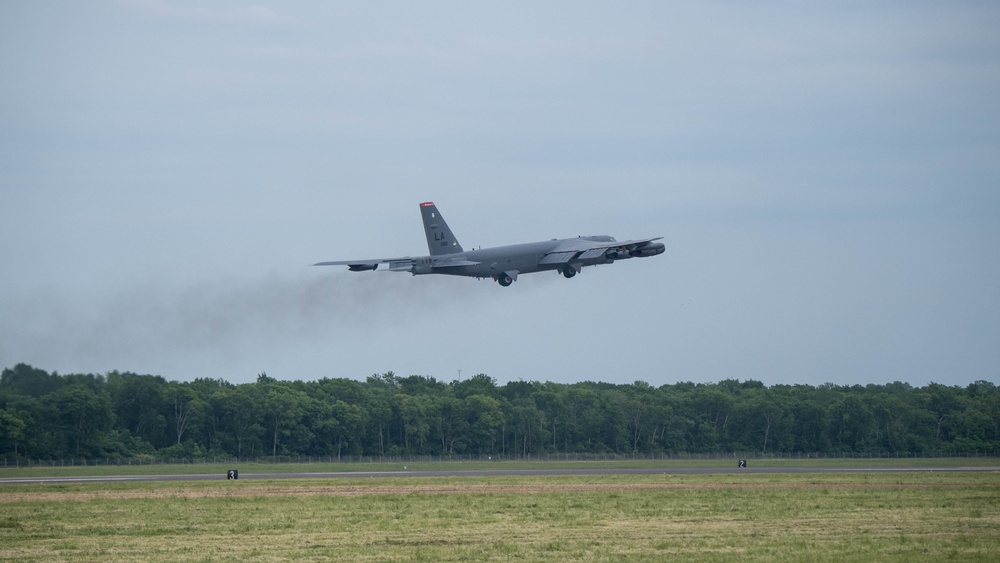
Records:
x=51, y=416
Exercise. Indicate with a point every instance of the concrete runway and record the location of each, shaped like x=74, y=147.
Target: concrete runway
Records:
x=488, y=473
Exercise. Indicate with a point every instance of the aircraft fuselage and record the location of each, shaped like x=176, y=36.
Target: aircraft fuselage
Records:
x=523, y=258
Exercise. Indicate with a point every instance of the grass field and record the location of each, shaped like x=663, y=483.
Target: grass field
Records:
x=934, y=516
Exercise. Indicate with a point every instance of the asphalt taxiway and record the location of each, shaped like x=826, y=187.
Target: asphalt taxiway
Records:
x=487, y=473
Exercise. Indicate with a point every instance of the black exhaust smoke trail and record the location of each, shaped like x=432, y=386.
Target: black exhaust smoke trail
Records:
x=217, y=320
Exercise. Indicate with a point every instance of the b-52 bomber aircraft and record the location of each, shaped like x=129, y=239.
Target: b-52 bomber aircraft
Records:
x=505, y=263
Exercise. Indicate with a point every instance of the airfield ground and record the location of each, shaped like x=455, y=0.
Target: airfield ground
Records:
x=788, y=516
x=212, y=470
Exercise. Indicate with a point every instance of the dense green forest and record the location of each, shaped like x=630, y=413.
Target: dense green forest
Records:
x=51, y=416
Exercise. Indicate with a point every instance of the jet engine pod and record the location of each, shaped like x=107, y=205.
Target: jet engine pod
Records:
x=651, y=249
x=362, y=267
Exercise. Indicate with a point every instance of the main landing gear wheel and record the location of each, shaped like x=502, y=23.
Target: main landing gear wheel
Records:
x=569, y=272
x=504, y=280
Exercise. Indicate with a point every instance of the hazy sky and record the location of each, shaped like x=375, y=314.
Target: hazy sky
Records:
x=826, y=177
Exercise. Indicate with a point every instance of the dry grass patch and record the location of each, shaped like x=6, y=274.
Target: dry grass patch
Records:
x=832, y=517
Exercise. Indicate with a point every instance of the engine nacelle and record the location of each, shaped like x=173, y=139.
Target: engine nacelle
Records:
x=651, y=249
x=362, y=267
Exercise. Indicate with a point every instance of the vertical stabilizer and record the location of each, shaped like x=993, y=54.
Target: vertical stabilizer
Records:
x=440, y=239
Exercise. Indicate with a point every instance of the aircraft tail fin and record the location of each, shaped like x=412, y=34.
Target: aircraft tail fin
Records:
x=440, y=239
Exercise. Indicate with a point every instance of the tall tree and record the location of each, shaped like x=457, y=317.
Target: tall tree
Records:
x=283, y=408
x=11, y=432
x=85, y=417
x=23, y=379
x=483, y=420
x=139, y=406
x=187, y=408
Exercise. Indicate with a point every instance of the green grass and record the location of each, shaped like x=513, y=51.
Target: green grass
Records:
x=221, y=468
x=747, y=517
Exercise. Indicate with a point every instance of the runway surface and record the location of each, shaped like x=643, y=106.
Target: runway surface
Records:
x=489, y=473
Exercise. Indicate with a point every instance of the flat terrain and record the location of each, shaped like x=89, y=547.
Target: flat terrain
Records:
x=39, y=476
x=198, y=471
x=815, y=516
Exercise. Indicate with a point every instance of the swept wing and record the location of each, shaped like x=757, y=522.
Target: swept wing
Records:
x=365, y=265
x=404, y=264
x=584, y=248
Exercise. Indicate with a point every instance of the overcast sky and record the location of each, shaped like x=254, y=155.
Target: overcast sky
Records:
x=826, y=177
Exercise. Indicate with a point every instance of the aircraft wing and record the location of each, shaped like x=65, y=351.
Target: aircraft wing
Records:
x=452, y=262
x=587, y=249
x=583, y=244
x=405, y=263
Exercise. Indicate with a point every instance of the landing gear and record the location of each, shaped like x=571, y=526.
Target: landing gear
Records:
x=504, y=280
x=569, y=272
